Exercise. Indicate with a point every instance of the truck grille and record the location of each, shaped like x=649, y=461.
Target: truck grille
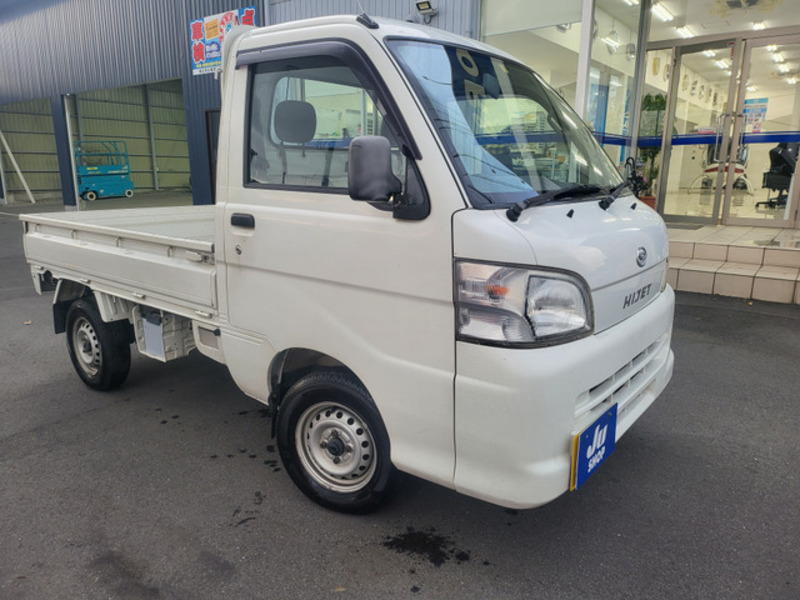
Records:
x=625, y=386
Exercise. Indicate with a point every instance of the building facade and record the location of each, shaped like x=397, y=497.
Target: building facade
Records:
x=704, y=94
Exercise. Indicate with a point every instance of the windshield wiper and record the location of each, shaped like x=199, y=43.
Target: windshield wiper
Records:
x=613, y=193
x=579, y=189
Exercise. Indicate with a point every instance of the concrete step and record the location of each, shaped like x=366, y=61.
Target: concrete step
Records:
x=763, y=269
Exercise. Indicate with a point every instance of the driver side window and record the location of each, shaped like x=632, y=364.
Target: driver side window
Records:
x=303, y=114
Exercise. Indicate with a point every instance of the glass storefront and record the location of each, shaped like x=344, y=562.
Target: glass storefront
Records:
x=722, y=78
x=767, y=133
x=548, y=42
x=551, y=44
x=612, y=92
x=700, y=141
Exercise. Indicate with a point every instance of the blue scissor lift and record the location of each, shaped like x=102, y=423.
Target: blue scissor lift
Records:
x=103, y=169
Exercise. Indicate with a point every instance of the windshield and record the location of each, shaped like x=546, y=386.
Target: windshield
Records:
x=509, y=134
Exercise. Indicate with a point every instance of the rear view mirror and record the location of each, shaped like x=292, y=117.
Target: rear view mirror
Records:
x=369, y=170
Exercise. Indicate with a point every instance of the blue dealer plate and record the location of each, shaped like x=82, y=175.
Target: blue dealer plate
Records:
x=593, y=446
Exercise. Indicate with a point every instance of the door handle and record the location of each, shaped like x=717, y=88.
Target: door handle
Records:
x=243, y=220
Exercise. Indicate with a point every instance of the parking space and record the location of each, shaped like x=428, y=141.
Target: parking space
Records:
x=171, y=486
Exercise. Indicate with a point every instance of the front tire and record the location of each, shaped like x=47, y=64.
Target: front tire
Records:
x=91, y=196
x=334, y=445
x=100, y=352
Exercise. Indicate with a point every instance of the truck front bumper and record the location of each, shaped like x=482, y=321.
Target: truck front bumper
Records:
x=518, y=410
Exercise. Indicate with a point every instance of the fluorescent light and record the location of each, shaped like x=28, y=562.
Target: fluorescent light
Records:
x=792, y=80
x=759, y=26
x=752, y=88
x=685, y=32
x=722, y=64
x=661, y=12
x=772, y=48
x=783, y=68
x=777, y=57
x=631, y=2
x=709, y=53
x=611, y=39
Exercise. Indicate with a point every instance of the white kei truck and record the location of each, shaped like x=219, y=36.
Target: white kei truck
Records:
x=419, y=258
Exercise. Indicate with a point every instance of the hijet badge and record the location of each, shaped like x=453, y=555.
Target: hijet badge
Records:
x=591, y=447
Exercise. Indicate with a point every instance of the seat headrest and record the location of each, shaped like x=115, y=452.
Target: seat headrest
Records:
x=295, y=121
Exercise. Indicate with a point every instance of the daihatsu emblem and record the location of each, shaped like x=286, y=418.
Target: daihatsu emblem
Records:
x=641, y=257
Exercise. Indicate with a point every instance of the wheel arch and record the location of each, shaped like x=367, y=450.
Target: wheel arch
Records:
x=67, y=291
x=110, y=307
x=291, y=365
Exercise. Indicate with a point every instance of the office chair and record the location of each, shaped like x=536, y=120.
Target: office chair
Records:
x=782, y=159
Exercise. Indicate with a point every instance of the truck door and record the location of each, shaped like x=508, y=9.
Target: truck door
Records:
x=307, y=267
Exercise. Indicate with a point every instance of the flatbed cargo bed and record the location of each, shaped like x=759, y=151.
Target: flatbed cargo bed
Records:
x=163, y=257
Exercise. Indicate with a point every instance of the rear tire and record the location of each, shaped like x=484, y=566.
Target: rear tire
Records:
x=100, y=352
x=91, y=196
x=129, y=193
x=334, y=445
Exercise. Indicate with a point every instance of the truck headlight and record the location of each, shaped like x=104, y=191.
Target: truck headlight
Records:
x=513, y=306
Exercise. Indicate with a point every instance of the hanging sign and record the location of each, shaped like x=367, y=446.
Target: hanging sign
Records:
x=207, y=34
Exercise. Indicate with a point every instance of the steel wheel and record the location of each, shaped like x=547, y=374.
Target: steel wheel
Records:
x=87, y=347
x=100, y=352
x=333, y=443
x=335, y=447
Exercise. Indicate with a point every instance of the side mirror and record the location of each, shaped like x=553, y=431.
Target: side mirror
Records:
x=369, y=170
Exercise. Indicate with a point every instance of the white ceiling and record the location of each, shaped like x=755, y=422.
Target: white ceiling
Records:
x=554, y=53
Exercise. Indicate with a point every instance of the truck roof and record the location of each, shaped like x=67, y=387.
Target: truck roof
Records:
x=387, y=28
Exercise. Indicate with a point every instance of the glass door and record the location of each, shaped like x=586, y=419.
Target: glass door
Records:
x=766, y=136
x=699, y=119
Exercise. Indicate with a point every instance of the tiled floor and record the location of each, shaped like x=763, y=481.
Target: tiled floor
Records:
x=744, y=262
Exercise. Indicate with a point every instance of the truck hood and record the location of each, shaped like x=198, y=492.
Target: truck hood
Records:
x=621, y=253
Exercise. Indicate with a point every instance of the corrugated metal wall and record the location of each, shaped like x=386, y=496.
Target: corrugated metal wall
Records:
x=79, y=46
x=76, y=46
x=457, y=16
x=150, y=118
x=169, y=134
x=28, y=129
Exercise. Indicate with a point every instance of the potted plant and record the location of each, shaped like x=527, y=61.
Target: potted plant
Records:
x=651, y=125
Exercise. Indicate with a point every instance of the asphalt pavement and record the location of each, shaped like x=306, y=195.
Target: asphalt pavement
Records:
x=171, y=488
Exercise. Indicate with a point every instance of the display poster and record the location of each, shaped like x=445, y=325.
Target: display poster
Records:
x=208, y=33
x=755, y=113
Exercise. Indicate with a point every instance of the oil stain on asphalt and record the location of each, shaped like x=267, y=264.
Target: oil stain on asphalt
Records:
x=427, y=544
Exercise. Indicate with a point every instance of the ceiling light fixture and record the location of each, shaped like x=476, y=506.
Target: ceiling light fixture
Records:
x=612, y=41
x=752, y=88
x=783, y=68
x=684, y=32
x=631, y=2
x=661, y=12
x=721, y=64
x=772, y=48
x=777, y=57
x=709, y=53
x=759, y=26
x=792, y=80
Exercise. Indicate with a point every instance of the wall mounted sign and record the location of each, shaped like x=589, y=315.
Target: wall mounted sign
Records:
x=207, y=34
